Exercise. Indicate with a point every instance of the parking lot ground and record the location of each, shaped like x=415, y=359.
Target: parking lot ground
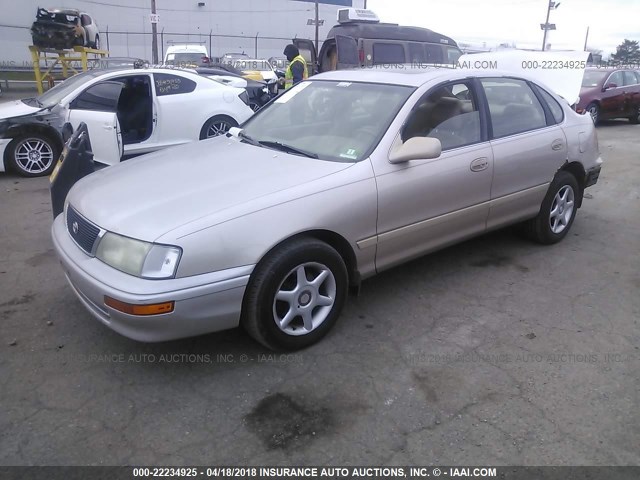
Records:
x=496, y=351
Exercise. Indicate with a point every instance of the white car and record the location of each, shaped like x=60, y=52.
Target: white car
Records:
x=187, y=55
x=128, y=112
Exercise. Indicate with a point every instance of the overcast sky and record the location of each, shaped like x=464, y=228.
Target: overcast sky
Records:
x=518, y=21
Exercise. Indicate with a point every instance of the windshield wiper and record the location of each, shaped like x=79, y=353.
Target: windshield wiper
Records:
x=287, y=148
x=249, y=139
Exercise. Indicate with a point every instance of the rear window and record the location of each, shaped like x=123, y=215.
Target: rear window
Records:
x=388, y=53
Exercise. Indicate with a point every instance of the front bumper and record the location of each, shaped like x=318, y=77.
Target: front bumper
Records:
x=203, y=303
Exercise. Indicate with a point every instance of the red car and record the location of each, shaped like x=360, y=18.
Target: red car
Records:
x=610, y=93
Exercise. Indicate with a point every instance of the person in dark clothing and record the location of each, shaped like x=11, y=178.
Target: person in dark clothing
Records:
x=297, y=69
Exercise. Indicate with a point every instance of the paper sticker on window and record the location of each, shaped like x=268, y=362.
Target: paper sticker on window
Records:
x=351, y=154
x=344, y=84
x=289, y=94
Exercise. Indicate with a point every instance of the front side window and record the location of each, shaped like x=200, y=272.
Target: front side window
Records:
x=101, y=97
x=513, y=106
x=450, y=114
x=453, y=54
x=388, y=53
x=338, y=121
x=167, y=84
x=616, y=79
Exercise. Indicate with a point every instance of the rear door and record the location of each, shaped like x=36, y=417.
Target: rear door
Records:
x=308, y=51
x=347, y=51
x=632, y=88
x=528, y=148
x=96, y=106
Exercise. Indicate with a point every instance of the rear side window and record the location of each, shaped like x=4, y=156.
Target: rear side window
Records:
x=416, y=53
x=434, y=53
x=513, y=106
x=388, y=53
x=86, y=19
x=167, y=84
x=554, y=106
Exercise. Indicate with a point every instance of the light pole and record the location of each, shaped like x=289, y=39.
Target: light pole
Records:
x=154, y=35
x=546, y=26
x=317, y=26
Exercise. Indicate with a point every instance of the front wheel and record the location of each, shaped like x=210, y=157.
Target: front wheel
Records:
x=32, y=155
x=215, y=126
x=295, y=295
x=96, y=44
x=557, y=211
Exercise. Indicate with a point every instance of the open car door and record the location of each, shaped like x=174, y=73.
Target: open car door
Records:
x=97, y=107
x=347, y=51
x=308, y=51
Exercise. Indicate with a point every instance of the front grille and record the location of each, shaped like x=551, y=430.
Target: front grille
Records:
x=81, y=230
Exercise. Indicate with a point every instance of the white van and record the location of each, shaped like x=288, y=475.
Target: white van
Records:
x=187, y=55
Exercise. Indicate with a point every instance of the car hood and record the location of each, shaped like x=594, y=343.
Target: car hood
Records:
x=17, y=108
x=587, y=94
x=219, y=178
x=561, y=71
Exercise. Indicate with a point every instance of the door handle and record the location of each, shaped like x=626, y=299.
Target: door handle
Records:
x=479, y=164
x=106, y=126
x=557, y=145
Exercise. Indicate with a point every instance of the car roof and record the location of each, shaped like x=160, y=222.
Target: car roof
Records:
x=390, y=31
x=406, y=75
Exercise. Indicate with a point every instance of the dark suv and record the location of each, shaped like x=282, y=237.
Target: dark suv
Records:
x=610, y=93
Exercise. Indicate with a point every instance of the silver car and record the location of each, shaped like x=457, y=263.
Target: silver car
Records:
x=339, y=178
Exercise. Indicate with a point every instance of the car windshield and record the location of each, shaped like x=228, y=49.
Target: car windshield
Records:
x=252, y=64
x=592, y=78
x=338, y=121
x=54, y=95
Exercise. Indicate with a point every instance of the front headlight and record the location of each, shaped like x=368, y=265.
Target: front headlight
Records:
x=135, y=257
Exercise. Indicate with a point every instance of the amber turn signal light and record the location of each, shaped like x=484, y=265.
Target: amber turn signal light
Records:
x=130, y=309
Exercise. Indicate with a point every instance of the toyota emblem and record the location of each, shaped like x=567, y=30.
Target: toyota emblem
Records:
x=74, y=227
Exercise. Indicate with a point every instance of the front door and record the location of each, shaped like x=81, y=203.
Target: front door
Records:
x=425, y=204
x=96, y=107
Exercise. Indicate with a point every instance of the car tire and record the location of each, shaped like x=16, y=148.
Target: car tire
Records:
x=96, y=43
x=32, y=154
x=282, y=285
x=557, y=212
x=635, y=119
x=215, y=126
x=593, y=109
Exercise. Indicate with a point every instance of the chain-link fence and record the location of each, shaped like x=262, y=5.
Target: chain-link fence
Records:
x=15, y=40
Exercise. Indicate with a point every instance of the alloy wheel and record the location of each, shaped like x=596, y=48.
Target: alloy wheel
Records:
x=304, y=299
x=593, y=111
x=218, y=128
x=561, y=209
x=33, y=155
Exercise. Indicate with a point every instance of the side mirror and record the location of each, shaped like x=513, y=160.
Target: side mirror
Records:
x=609, y=86
x=234, y=131
x=416, y=148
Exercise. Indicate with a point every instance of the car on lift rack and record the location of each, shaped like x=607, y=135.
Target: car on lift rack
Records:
x=128, y=112
x=64, y=28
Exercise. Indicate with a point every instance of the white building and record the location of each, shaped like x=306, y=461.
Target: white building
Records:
x=257, y=27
